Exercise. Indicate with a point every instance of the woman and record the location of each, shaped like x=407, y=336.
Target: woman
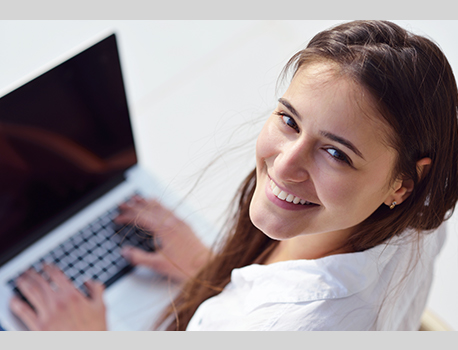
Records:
x=353, y=168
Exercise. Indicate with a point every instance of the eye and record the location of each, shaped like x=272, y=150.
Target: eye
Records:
x=290, y=122
x=338, y=155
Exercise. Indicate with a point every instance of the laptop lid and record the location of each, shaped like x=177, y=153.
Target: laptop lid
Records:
x=65, y=140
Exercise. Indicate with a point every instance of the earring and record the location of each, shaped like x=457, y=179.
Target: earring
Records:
x=393, y=205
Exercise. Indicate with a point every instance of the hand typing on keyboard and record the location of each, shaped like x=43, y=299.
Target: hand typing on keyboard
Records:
x=179, y=253
x=53, y=300
x=58, y=305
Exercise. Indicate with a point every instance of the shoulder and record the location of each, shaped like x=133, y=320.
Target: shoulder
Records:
x=291, y=295
x=355, y=291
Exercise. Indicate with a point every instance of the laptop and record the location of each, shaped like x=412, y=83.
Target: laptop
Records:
x=68, y=159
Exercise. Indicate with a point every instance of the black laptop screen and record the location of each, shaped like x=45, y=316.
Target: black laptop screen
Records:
x=65, y=138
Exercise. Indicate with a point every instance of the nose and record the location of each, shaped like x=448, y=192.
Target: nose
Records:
x=294, y=161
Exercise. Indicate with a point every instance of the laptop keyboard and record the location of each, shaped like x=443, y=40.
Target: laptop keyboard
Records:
x=94, y=252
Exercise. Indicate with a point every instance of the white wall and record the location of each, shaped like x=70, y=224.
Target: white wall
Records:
x=196, y=89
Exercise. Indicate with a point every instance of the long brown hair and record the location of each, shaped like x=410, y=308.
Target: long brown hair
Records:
x=415, y=91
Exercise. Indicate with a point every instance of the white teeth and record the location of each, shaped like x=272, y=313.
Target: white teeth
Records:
x=284, y=196
x=289, y=198
x=276, y=191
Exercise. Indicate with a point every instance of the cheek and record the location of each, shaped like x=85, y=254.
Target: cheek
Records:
x=266, y=144
x=354, y=197
x=334, y=190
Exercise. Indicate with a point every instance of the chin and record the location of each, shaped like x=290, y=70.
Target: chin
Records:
x=267, y=224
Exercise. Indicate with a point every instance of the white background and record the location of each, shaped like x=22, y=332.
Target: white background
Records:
x=199, y=91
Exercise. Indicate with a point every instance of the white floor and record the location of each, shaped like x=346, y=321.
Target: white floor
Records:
x=198, y=89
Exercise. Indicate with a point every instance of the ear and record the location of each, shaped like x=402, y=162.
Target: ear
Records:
x=403, y=187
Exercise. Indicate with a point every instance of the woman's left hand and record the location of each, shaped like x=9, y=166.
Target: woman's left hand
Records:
x=58, y=306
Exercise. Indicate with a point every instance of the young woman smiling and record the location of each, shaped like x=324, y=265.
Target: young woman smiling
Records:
x=335, y=228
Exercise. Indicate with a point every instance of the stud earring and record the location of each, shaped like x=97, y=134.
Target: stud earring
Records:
x=393, y=205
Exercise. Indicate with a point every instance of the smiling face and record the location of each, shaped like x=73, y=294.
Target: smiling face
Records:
x=323, y=165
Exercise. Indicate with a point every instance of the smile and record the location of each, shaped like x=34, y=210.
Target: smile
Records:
x=285, y=196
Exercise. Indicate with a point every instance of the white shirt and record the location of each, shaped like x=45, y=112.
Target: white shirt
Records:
x=383, y=288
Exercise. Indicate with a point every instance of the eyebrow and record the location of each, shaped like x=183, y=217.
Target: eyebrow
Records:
x=326, y=134
x=342, y=141
x=290, y=107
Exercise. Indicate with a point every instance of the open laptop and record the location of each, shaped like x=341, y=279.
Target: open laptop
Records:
x=68, y=159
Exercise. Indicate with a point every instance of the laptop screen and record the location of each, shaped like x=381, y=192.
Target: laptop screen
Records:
x=65, y=139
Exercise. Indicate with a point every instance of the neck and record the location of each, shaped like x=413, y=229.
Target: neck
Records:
x=307, y=247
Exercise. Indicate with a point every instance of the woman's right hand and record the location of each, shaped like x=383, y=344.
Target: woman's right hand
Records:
x=180, y=253
x=57, y=304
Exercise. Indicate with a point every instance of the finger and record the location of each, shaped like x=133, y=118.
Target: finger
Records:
x=95, y=290
x=141, y=220
x=138, y=256
x=134, y=203
x=24, y=312
x=58, y=278
x=154, y=261
x=34, y=288
x=128, y=214
x=139, y=199
x=125, y=218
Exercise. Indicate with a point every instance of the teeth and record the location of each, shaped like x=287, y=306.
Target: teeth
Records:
x=289, y=198
x=276, y=191
x=284, y=196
